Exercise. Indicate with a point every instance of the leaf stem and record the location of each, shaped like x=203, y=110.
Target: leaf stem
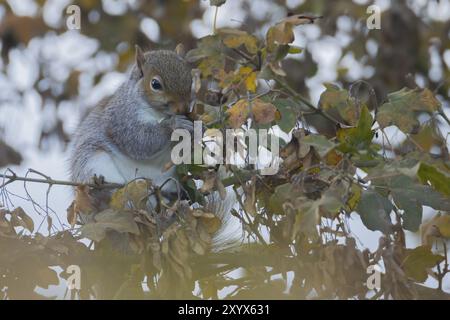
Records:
x=215, y=20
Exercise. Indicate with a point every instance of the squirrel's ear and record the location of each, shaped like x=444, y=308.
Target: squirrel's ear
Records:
x=140, y=60
x=179, y=49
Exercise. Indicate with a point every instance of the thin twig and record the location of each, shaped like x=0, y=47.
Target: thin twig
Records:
x=444, y=116
x=13, y=177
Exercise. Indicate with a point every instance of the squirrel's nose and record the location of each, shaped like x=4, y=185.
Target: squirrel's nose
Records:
x=178, y=107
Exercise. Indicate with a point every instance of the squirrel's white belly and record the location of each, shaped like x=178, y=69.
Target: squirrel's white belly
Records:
x=118, y=168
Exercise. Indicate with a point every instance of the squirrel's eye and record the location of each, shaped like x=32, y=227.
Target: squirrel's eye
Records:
x=156, y=85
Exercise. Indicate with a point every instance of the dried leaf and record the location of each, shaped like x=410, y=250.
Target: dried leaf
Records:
x=120, y=221
x=83, y=202
x=264, y=112
x=22, y=219
x=71, y=214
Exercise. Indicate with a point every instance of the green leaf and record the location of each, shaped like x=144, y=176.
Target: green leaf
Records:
x=412, y=216
x=295, y=49
x=437, y=178
x=307, y=216
x=217, y=3
x=208, y=46
x=402, y=105
x=288, y=114
x=358, y=138
x=320, y=143
x=374, y=210
x=411, y=196
x=282, y=194
x=364, y=127
x=417, y=262
x=337, y=102
x=120, y=221
x=331, y=201
x=193, y=192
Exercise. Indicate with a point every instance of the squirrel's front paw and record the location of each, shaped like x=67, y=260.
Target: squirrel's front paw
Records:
x=181, y=122
x=98, y=180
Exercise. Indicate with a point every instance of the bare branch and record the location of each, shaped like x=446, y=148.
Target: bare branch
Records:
x=13, y=177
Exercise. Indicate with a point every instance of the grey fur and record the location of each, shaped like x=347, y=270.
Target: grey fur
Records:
x=173, y=71
x=117, y=124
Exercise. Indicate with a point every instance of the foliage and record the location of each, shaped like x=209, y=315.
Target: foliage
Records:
x=295, y=222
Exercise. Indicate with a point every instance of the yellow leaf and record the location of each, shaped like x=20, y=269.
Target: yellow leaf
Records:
x=210, y=65
x=133, y=194
x=249, y=78
x=236, y=38
x=354, y=197
x=250, y=82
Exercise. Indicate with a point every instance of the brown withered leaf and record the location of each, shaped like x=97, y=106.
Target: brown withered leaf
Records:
x=19, y=216
x=209, y=182
x=250, y=196
x=437, y=227
x=83, y=201
x=303, y=148
x=264, y=112
x=282, y=32
x=120, y=221
x=299, y=19
x=49, y=224
x=71, y=214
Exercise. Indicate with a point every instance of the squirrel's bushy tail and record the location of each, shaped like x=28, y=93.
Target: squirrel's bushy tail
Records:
x=230, y=232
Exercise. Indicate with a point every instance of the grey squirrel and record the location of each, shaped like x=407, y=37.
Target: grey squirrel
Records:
x=128, y=135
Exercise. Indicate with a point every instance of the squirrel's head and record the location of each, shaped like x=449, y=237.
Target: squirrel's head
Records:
x=165, y=78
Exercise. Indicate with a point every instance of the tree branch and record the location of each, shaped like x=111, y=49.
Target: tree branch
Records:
x=13, y=177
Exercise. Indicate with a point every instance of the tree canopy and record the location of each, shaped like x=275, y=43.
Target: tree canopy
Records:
x=337, y=161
